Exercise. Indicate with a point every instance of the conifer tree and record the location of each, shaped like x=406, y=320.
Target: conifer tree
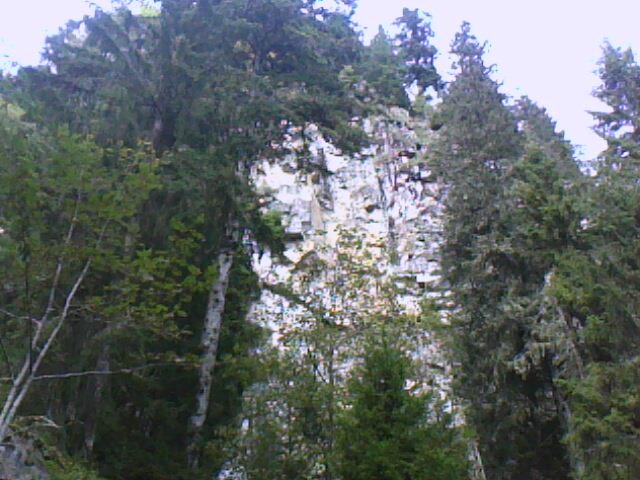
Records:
x=493, y=277
x=383, y=71
x=390, y=433
x=211, y=86
x=595, y=287
x=414, y=43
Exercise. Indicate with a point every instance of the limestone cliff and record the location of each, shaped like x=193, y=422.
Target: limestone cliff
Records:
x=384, y=198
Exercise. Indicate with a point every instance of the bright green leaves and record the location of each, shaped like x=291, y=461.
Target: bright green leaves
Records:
x=157, y=287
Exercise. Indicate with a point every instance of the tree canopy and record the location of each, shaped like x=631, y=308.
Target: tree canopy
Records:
x=133, y=231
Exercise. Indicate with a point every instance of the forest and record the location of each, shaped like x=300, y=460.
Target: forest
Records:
x=171, y=308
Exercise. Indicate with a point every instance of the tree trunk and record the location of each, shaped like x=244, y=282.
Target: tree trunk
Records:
x=572, y=339
x=477, y=468
x=163, y=137
x=210, y=339
x=99, y=386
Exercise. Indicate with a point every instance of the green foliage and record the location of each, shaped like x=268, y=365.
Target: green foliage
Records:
x=269, y=230
x=210, y=87
x=388, y=432
x=542, y=263
x=509, y=214
x=595, y=287
x=620, y=77
x=70, y=470
x=604, y=426
x=198, y=74
x=77, y=203
x=414, y=42
x=292, y=411
x=130, y=152
x=383, y=72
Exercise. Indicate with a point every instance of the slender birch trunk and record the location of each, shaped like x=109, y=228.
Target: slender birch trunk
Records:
x=210, y=340
x=19, y=380
x=22, y=383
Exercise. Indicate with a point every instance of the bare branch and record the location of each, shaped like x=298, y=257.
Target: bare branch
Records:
x=9, y=314
x=23, y=382
x=27, y=365
x=25, y=378
x=56, y=276
x=88, y=373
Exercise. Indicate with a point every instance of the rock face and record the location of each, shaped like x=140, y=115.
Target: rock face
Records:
x=384, y=200
x=21, y=460
x=362, y=234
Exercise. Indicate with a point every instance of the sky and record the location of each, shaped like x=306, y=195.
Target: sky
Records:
x=545, y=49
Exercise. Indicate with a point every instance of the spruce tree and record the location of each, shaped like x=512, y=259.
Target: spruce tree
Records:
x=390, y=433
x=383, y=71
x=595, y=287
x=414, y=43
x=493, y=277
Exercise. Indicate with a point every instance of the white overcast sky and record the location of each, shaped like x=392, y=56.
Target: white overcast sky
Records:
x=546, y=49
